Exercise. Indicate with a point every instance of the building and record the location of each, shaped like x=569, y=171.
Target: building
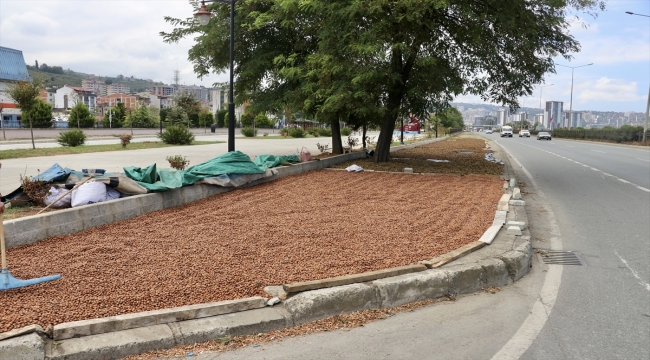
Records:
x=162, y=90
x=117, y=89
x=502, y=117
x=200, y=93
x=96, y=85
x=48, y=95
x=574, y=120
x=160, y=101
x=553, y=115
x=539, y=120
x=12, y=68
x=104, y=103
x=219, y=101
x=69, y=96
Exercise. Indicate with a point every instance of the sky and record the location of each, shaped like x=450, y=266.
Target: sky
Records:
x=112, y=37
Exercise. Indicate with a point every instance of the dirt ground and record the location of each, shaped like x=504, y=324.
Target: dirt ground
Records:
x=466, y=155
x=305, y=227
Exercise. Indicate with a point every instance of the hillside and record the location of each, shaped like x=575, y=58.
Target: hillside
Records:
x=73, y=78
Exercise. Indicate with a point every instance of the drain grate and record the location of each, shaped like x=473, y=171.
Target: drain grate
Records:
x=562, y=257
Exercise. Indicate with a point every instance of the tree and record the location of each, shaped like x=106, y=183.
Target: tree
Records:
x=26, y=95
x=141, y=117
x=116, y=120
x=357, y=61
x=263, y=121
x=221, y=118
x=176, y=116
x=190, y=105
x=247, y=119
x=41, y=114
x=80, y=116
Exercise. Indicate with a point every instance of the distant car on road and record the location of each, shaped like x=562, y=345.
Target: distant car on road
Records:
x=488, y=131
x=525, y=133
x=506, y=131
x=543, y=135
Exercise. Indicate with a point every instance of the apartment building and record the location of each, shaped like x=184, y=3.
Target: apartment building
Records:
x=69, y=96
x=162, y=90
x=553, y=115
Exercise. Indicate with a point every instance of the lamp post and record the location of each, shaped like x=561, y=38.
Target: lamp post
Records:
x=203, y=15
x=571, y=104
x=647, y=109
x=540, y=100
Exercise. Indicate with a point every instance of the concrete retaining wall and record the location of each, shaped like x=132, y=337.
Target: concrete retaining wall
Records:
x=31, y=229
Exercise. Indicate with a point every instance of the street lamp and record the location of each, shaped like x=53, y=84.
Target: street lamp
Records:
x=203, y=15
x=571, y=104
x=647, y=109
x=540, y=100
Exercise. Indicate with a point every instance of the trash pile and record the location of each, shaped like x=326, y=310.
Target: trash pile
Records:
x=490, y=157
x=72, y=188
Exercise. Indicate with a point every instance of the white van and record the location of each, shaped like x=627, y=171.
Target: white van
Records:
x=506, y=131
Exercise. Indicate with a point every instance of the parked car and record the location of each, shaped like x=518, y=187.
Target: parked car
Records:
x=543, y=135
x=523, y=133
x=488, y=131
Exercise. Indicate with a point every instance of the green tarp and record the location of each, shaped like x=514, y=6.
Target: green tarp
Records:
x=234, y=162
x=271, y=161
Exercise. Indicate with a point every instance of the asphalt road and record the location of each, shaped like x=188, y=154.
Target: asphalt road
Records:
x=585, y=197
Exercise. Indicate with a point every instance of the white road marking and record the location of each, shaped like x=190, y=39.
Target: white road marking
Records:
x=531, y=327
x=642, y=188
x=634, y=273
x=623, y=181
x=598, y=151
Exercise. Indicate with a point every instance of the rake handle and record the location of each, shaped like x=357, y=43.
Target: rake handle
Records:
x=2, y=245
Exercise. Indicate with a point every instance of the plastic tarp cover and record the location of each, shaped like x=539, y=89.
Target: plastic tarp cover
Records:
x=234, y=162
x=271, y=161
x=54, y=173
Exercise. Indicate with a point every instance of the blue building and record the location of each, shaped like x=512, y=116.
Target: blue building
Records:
x=12, y=68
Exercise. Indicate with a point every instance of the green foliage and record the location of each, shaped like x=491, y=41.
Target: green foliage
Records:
x=26, y=94
x=142, y=117
x=375, y=61
x=263, y=121
x=118, y=118
x=205, y=118
x=346, y=131
x=41, y=114
x=623, y=134
x=297, y=132
x=249, y=131
x=163, y=114
x=221, y=116
x=176, y=135
x=324, y=132
x=190, y=105
x=80, y=116
x=247, y=119
x=176, y=116
x=313, y=131
x=284, y=132
x=51, y=69
x=71, y=138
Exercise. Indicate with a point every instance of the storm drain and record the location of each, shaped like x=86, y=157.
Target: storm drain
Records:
x=562, y=257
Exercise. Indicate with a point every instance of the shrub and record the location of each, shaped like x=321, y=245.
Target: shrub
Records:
x=247, y=119
x=284, y=132
x=265, y=134
x=313, y=131
x=297, y=132
x=80, y=116
x=125, y=139
x=346, y=131
x=178, y=162
x=221, y=116
x=176, y=135
x=353, y=142
x=249, y=131
x=71, y=138
x=263, y=121
x=324, y=132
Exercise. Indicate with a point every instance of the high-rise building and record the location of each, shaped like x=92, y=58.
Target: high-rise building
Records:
x=502, y=117
x=539, y=120
x=553, y=115
x=162, y=90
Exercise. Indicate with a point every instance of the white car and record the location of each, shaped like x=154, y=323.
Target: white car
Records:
x=488, y=131
x=506, y=131
x=523, y=133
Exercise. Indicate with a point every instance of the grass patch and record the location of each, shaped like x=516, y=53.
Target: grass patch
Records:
x=83, y=149
x=20, y=211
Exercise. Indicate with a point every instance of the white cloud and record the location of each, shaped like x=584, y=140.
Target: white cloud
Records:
x=606, y=89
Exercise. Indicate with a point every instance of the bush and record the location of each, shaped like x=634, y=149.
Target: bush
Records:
x=346, y=131
x=324, y=132
x=71, y=138
x=297, y=133
x=176, y=135
x=125, y=139
x=263, y=121
x=178, y=162
x=247, y=119
x=248, y=131
x=313, y=131
x=284, y=132
x=80, y=117
x=221, y=116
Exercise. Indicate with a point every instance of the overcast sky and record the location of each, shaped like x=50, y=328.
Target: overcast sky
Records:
x=111, y=37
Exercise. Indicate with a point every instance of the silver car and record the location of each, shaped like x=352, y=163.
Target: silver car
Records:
x=543, y=135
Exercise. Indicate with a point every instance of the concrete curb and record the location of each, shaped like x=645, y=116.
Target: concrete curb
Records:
x=31, y=229
x=509, y=261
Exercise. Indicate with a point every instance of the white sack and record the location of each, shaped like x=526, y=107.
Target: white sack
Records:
x=54, y=194
x=89, y=193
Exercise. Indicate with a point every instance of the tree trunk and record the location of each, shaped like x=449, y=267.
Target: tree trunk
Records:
x=31, y=129
x=337, y=143
x=363, y=136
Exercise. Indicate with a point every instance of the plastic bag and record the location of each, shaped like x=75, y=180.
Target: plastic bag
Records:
x=89, y=193
x=54, y=194
x=305, y=155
